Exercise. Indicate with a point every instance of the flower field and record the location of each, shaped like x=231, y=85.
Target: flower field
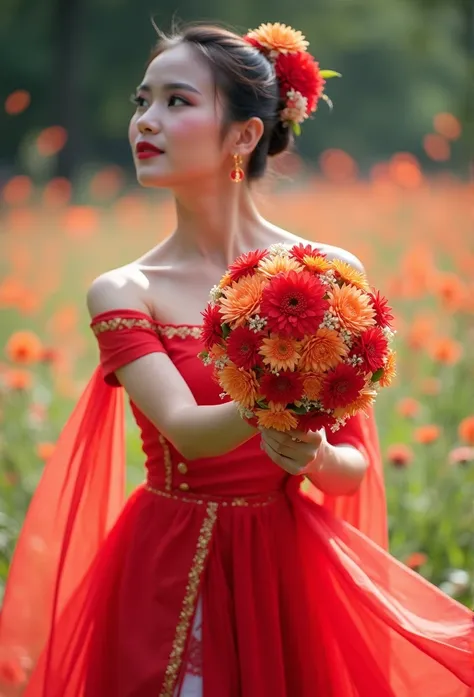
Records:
x=415, y=238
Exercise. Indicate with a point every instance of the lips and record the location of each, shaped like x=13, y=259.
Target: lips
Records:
x=145, y=150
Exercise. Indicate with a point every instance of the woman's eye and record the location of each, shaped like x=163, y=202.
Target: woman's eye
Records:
x=138, y=101
x=174, y=100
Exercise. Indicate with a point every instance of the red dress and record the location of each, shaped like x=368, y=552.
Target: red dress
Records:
x=296, y=602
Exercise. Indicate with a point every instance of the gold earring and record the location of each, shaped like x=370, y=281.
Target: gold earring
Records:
x=237, y=174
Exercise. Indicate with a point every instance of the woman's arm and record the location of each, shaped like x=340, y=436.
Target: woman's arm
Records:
x=157, y=388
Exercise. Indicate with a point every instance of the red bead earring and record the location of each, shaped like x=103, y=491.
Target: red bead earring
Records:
x=237, y=174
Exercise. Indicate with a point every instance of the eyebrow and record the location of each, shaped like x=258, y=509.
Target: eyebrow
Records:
x=170, y=86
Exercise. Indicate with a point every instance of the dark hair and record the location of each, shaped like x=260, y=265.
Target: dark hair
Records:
x=245, y=78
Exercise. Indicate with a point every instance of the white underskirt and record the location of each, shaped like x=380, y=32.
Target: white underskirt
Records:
x=192, y=684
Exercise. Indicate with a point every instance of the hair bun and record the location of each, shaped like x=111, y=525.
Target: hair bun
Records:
x=280, y=139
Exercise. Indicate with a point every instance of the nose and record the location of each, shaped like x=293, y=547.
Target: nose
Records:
x=147, y=124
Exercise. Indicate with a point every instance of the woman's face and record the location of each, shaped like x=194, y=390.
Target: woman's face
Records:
x=179, y=116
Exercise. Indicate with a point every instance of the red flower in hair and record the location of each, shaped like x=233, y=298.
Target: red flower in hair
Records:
x=383, y=313
x=300, y=72
x=372, y=346
x=284, y=388
x=293, y=304
x=211, y=332
x=246, y=264
x=299, y=251
x=242, y=348
x=341, y=386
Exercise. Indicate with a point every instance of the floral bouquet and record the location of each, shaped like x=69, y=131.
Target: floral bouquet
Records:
x=298, y=341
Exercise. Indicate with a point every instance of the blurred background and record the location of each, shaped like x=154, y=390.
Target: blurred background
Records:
x=387, y=174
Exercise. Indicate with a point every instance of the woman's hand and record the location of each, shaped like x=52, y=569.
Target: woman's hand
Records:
x=337, y=470
x=294, y=451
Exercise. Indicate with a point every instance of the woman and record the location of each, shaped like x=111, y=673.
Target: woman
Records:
x=220, y=577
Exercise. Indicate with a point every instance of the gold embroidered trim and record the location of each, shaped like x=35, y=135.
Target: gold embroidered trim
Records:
x=117, y=323
x=237, y=502
x=169, y=331
x=189, y=603
x=167, y=461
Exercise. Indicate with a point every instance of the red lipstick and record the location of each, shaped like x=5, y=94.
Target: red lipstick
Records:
x=145, y=150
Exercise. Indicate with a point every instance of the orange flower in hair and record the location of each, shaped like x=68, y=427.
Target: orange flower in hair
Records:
x=278, y=37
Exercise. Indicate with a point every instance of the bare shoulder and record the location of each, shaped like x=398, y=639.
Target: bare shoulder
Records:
x=118, y=289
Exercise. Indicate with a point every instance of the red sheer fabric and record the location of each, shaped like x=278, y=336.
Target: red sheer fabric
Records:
x=294, y=600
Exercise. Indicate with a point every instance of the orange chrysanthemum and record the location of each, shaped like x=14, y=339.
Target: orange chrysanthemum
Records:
x=466, y=430
x=278, y=418
x=241, y=385
x=278, y=37
x=278, y=264
x=322, y=351
x=352, y=307
x=242, y=299
x=24, y=347
x=280, y=352
x=226, y=280
x=317, y=264
x=390, y=370
x=363, y=403
x=217, y=351
x=312, y=386
x=349, y=274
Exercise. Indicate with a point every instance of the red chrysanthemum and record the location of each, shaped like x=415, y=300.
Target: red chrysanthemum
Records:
x=245, y=264
x=299, y=251
x=313, y=421
x=341, y=386
x=284, y=388
x=293, y=304
x=211, y=332
x=372, y=347
x=243, y=348
x=383, y=312
x=300, y=72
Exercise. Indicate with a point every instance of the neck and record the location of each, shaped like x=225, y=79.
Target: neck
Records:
x=217, y=226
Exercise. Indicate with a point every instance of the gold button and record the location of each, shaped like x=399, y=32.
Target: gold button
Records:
x=182, y=468
x=184, y=486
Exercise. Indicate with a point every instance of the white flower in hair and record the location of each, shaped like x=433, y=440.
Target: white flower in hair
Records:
x=296, y=108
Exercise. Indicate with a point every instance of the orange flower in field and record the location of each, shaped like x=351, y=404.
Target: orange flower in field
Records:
x=241, y=385
x=451, y=290
x=278, y=37
x=280, y=353
x=278, y=418
x=446, y=350
x=312, y=386
x=242, y=299
x=226, y=280
x=352, y=307
x=415, y=560
x=466, y=430
x=317, y=264
x=421, y=331
x=278, y=264
x=45, y=450
x=24, y=347
x=350, y=275
x=18, y=379
x=390, y=370
x=408, y=407
x=399, y=455
x=431, y=386
x=322, y=351
x=427, y=434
